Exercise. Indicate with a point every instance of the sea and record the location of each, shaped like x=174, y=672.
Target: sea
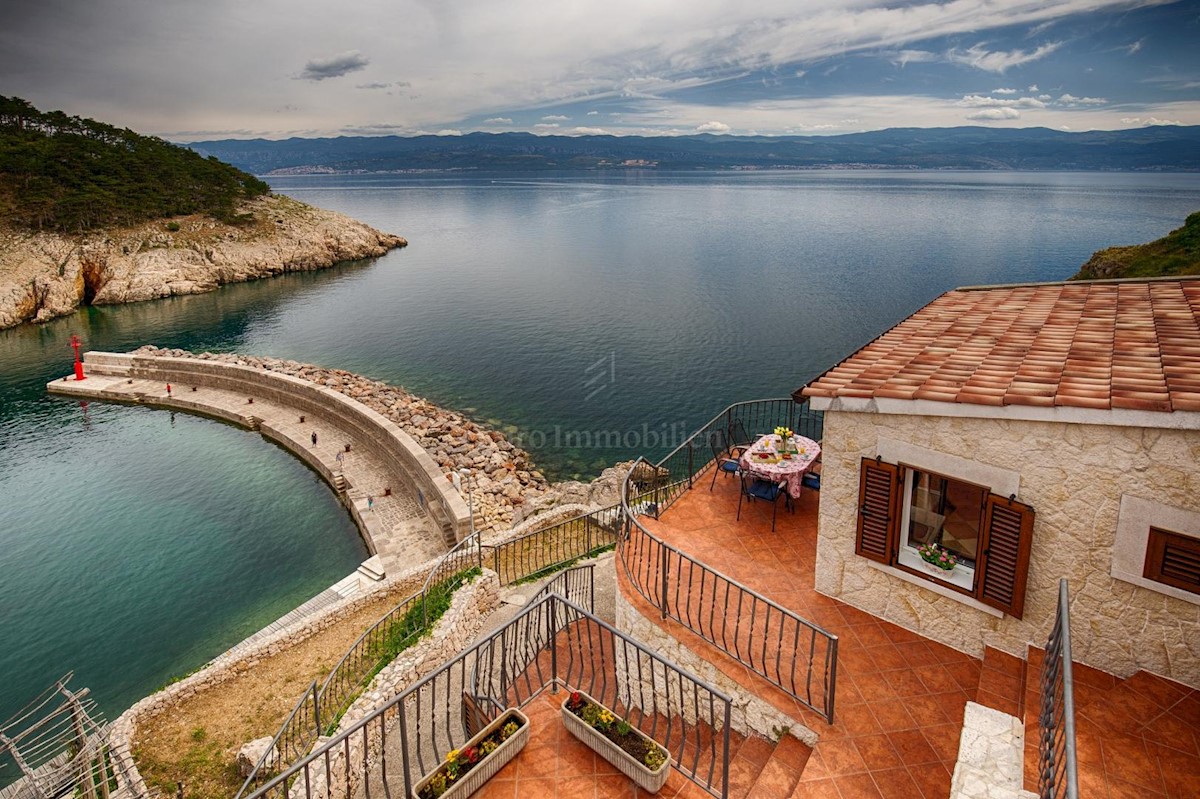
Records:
x=591, y=316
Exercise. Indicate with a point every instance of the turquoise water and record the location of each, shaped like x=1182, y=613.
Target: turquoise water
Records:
x=134, y=546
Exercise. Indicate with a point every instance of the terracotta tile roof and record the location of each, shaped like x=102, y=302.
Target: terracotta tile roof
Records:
x=1105, y=344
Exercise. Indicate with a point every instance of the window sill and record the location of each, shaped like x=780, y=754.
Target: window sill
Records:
x=959, y=576
x=942, y=590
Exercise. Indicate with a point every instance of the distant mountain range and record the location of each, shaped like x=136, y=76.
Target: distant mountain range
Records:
x=1159, y=148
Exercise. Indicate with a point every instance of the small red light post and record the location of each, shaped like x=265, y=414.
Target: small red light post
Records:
x=78, y=363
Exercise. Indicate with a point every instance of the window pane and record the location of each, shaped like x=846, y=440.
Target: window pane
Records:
x=945, y=512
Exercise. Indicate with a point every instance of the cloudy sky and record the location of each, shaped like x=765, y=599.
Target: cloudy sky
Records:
x=205, y=69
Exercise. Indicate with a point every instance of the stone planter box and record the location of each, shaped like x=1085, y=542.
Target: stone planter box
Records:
x=474, y=779
x=643, y=777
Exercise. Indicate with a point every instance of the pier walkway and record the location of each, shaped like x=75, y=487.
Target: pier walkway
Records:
x=391, y=491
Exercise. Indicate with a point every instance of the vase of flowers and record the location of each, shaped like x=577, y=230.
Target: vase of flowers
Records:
x=786, y=446
x=638, y=757
x=937, y=557
x=467, y=768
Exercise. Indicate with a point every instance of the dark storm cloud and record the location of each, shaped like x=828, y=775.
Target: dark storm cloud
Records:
x=334, y=66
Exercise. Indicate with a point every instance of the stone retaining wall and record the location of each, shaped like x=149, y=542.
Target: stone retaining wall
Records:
x=750, y=715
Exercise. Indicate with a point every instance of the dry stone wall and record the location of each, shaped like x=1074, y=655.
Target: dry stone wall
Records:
x=1073, y=475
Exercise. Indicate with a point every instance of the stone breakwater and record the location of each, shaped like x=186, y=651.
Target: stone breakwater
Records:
x=45, y=275
x=505, y=486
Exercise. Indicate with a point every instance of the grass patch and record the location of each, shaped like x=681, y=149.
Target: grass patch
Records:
x=566, y=564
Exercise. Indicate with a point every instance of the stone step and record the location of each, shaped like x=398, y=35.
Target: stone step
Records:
x=372, y=568
x=760, y=769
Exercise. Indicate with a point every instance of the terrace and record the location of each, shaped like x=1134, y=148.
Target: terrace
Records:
x=899, y=697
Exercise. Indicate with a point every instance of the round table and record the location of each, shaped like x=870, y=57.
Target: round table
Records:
x=764, y=460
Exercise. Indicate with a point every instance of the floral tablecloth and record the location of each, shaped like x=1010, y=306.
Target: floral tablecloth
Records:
x=764, y=459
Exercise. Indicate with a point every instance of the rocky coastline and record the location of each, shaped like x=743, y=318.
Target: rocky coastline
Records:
x=506, y=487
x=46, y=275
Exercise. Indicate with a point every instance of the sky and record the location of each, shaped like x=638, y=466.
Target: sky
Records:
x=191, y=70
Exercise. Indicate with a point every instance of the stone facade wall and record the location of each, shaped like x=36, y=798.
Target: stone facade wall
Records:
x=750, y=715
x=1073, y=475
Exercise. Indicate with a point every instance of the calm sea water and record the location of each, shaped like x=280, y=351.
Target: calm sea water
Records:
x=134, y=546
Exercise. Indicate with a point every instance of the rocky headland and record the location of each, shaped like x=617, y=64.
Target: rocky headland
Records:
x=44, y=275
x=507, y=488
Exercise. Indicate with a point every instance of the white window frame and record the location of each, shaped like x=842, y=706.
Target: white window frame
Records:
x=907, y=555
x=1134, y=520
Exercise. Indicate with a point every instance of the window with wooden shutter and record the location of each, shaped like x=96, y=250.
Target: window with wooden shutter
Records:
x=1004, y=556
x=1173, y=559
x=878, y=510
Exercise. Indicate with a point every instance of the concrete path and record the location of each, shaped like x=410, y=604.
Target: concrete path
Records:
x=395, y=527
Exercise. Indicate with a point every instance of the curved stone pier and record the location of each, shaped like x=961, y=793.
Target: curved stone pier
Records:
x=416, y=520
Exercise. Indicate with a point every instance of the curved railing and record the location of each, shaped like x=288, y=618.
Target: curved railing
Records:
x=787, y=650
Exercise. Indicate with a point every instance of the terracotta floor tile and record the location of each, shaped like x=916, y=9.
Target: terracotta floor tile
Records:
x=895, y=783
x=933, y=780
x=893, y=715
x=756, y=750
x=817, y=789
x=913, y=748
x=841, y=757
x=1126, y=758
x=793, y=752
x=858, y=786
x=877, y=752
x=774, y=781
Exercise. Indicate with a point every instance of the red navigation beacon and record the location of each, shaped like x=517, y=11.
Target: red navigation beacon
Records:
x=78, y=364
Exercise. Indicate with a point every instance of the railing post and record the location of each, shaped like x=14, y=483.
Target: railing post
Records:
x=662, y=568
x=587, y=534
x=725, y=753
x=691, y=466
x=831, y=691
x=316, y=708
x=552, y=604
x=404, y=757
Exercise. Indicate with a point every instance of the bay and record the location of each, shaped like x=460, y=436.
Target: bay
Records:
x=594, y=317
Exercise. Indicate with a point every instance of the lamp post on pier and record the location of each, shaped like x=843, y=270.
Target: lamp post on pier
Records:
x=78, y=364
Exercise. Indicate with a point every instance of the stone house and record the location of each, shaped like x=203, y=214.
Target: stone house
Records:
x=1035, y=432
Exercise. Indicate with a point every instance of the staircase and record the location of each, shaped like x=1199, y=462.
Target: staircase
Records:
x=760, y=769
x=1138, y=736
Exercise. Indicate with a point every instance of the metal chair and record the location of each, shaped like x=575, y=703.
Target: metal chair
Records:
x=757, y=488
x=739, y=439
x=722, y=455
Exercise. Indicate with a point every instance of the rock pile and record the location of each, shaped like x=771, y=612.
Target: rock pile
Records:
x=506, y=487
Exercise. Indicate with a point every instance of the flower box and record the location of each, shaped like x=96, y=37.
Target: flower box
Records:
x=646, y=778
x=470, y=780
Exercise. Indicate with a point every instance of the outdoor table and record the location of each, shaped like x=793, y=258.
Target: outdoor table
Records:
x=764, y=459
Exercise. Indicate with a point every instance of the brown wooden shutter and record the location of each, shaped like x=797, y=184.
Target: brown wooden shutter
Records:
x=1173, y=559
x=878, y=510
x=1004, y=560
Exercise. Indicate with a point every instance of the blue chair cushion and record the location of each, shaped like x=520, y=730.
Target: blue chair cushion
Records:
x=812, y=481
x=764, y=490
x=728, y=466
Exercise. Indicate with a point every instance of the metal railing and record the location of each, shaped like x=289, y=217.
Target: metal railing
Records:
x=321, y=706
x=790, y=652
x=666, y=481
x=1057, y=776
x=542, y=551
x=552, y=644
